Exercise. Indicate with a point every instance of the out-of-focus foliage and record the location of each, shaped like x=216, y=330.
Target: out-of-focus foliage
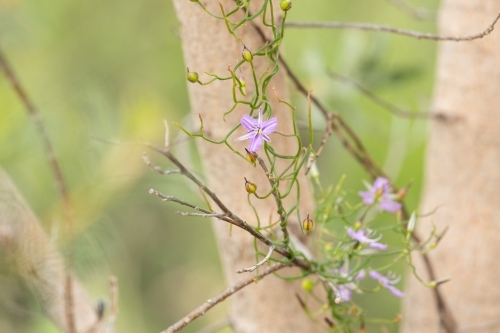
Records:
x=114, y=70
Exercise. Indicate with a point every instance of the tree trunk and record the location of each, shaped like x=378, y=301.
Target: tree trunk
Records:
x=463, y=175
x=38, y=262
x=270, y=305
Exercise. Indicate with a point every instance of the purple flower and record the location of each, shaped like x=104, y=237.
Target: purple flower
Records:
x=380, y=193
x=344, y=290
x=258, y=130
x=362, y=237
x=387, y=283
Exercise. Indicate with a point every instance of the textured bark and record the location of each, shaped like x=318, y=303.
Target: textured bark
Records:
x=35, y=258
x=463, y=175
x=269, y=306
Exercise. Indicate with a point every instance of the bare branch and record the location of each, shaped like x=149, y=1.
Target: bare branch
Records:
x=201, y=215
x=386, y=28
x=210, y=303
x=156, y=168
x=260, y=263
x=231, y=217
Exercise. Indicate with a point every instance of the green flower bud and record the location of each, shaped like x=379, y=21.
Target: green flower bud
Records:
x=307, y=225
x=247, y=55
x=357, y=225
x=250, y=186
x=192, y=76
x=307, y=285
x=285, y=5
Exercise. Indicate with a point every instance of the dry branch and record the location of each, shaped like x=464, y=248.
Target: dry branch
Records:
x=389, y=29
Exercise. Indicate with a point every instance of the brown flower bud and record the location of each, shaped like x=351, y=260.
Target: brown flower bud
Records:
x=250, y=186
x=307, y=225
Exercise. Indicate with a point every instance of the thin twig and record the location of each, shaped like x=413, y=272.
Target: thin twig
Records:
x=387, y=28
x=231, y=217
x=326, y=136
x=210, y=303
x=156, y=168
x=201, y=215
x=184, y=203
x=62, y=188
x=276, y=195
x=260, y=263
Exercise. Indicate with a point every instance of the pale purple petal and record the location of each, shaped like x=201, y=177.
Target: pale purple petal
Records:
x=269, y=126
x=378, y=246
x=377, y=276
x=361, y=275
x=255, y=143
x=265, y=137
x=357, y=235
x=368, y=197
x=259, y=120
x=248, y=123
x=390, y=205
x=381, y=183
x=344, y=293
x=246, y=136
x=396, y=292
x=258, y=130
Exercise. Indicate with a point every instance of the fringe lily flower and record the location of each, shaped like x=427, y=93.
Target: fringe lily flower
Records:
x=345, y=289
x=379, y=193
x=258, y=130
x=387, y=282
x=362, y=237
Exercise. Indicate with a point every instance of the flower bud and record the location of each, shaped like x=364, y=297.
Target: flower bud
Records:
x=307, y=285
x=251, y=157
x=247, y=55
x=250, y=186
x=357, y=225
x=307, y=225
x=285, y=5
x=192, y=76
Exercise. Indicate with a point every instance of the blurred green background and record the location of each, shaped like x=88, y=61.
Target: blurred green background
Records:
x=114, y=70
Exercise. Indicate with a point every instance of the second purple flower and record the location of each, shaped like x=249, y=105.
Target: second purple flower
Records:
x=258, y=130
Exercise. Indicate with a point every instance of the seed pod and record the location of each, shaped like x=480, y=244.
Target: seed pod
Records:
x=250, y=186
x=307, y=225
x=285, y=5
x=246, y=54
x=307, y=285
x=192, y=76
